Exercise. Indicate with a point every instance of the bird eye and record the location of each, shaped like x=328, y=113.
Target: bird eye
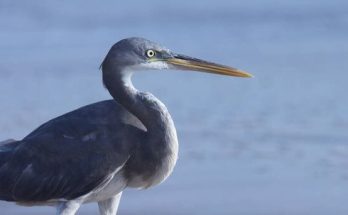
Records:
x=150, y=53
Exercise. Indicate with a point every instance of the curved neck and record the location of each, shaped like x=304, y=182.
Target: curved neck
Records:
x=146, y=107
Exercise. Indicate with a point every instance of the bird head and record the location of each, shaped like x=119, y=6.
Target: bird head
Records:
x=138, y=54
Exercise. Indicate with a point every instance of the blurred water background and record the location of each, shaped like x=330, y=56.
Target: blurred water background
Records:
x=273, y=145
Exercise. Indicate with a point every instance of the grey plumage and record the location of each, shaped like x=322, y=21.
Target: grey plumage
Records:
x=94, y=152
x=63, y=169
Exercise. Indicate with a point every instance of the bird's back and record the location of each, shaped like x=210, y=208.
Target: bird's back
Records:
x=70, y=155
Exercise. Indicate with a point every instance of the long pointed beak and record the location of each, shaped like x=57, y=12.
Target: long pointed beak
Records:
x=189, y=63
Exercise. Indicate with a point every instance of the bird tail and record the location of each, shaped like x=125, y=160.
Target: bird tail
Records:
x=6, y=148
x=5, y=142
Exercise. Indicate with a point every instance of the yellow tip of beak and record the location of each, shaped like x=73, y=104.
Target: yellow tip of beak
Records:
x=245, y=74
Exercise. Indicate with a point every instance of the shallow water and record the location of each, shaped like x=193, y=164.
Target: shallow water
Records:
x=274, y=144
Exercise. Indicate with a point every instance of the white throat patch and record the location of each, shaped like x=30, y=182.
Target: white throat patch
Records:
x=154, y=65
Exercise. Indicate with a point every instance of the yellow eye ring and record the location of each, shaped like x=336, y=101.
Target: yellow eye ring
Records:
x=150, y=53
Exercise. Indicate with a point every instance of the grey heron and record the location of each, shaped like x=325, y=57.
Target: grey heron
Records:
x=93, y=153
